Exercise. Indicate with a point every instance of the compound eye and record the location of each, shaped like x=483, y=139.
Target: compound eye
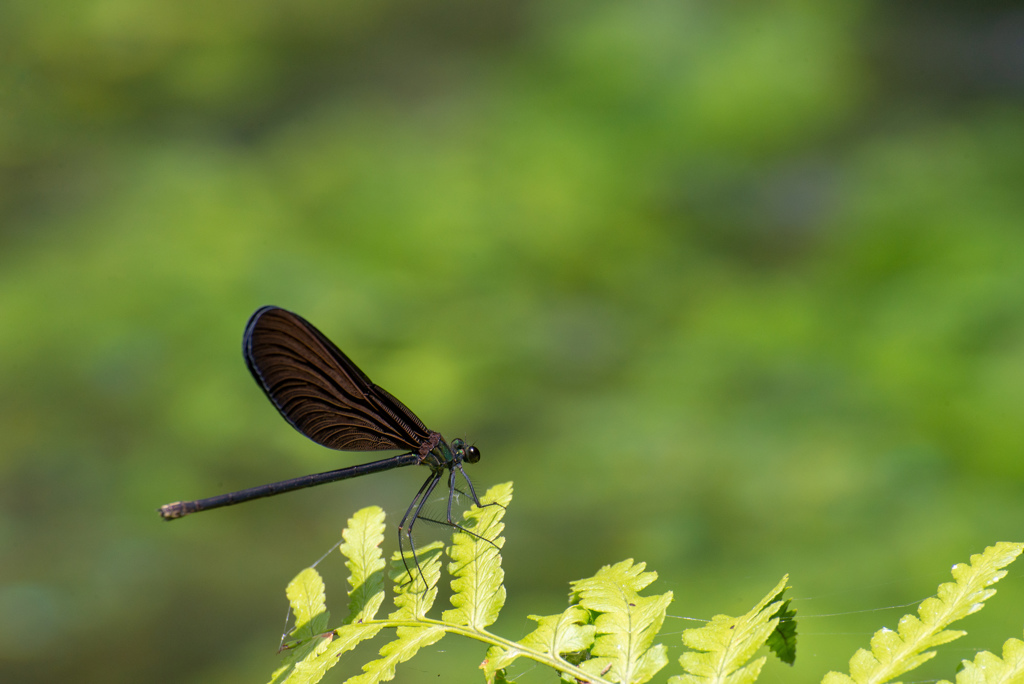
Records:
x=472, y=455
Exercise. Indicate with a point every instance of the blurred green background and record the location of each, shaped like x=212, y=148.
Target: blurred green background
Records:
x=732, y=288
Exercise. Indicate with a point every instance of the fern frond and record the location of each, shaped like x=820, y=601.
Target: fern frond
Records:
x=314, y=658
x=626, y=623
x=987, y=668
x=606, y=635
x=308, y=600
x=363, y=536
x=412, y=598
x=306, y=596
x=313, y=652
x=479, y=594
x=412, y=601
x=893, y=653
x=722, y=649
x=555, y=635
x=409, y=640
x=609, y=628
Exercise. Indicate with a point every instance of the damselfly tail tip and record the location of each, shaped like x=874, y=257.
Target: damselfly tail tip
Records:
x=172, y=511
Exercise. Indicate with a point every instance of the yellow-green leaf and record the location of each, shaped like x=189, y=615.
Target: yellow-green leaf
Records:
x=363, y=537
x=722, y=649
x=476, y=562
x=894, y=653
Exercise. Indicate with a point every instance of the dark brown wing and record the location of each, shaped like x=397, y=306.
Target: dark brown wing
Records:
x=320, y=391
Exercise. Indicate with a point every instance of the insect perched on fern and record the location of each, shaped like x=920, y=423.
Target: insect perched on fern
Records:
x=607, y=633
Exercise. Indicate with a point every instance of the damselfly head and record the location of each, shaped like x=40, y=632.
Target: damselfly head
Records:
x=464, y=453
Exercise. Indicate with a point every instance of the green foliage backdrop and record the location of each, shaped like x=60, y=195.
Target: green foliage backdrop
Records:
x=734, y=289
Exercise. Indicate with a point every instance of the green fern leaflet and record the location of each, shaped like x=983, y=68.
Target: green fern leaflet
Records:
x=894, y=653
x=608, y=632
